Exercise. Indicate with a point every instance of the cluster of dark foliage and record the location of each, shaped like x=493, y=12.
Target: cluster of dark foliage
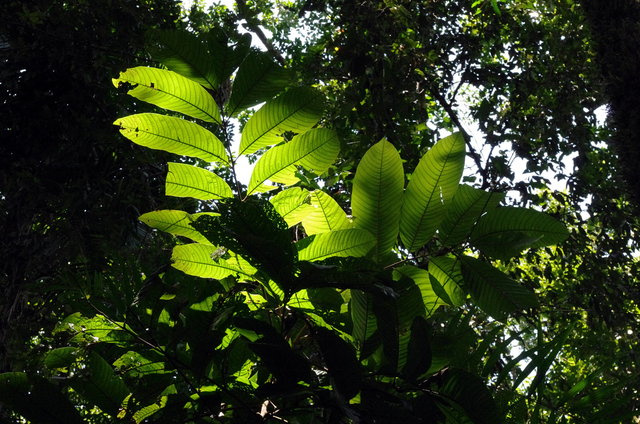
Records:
x=70, y=189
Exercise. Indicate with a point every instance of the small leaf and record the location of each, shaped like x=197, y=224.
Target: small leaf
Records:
x=504, y=232
x=377, y=195
x=171, y=91
x=191, y=181
x=342, y=243
x=173, y=135
x=296, y=110
x=432, y=186
x=493, y=291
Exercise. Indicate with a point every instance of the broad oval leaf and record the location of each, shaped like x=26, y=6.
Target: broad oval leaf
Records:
x=173, y=135
x=493, y=291
x=324, y=215
x=465, y=210
x=296, y=110
x=292, y=204
x=174, y=222
x=504, y=232
x=377, y=194
x=342, y=243
x=191, y=181
x=315, y=150
x=258, y=79
x=183, y=53
x=171, y=91
x=207, y=261
x=432, y=186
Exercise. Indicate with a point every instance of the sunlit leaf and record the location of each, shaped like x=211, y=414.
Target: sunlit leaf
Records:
x=377, y=194
x=293, y=204
x=191, y=181
x=208, y=261
x=173, y=135
x=342, y=243
x=430, y=190
x=324, y=214
x=314, y=150
x=171, y=91
x=174, y=222
x=296, y=110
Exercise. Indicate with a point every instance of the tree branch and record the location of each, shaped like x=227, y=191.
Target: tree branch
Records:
x=254, y=26
x=467, y=138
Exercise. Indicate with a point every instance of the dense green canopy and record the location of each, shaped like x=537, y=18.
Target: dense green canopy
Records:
x=439, y=228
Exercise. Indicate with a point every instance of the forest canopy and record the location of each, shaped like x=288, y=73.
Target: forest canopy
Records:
x=439, y=225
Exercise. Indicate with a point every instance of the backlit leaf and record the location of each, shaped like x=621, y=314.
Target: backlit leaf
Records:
x=430, y=190
x=171, y=91
x=173, y=135
x=191, y=181
x=314, y=150
x=377, y=194
x=342, y=243
x=296, y=110
x=504, y=232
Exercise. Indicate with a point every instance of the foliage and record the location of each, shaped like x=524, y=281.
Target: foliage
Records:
x=307, y=313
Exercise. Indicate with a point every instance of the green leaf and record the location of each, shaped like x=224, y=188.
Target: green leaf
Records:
x=258, y=79
x=191, y=181
x=342, y=243
x=173, y=135
x=185, y=54
x=377, y=194
x=296, y=110
x=61, y=357
x=420, y=277
x=504, y=232
x=364, y=322
x=226, y=57
x=314, y=150
x=324, y=215
x=342, y=363
x=292, y=204
x=100, y=385
x=432, y=186
x=208, y=261
x=493, y=291
x=465, y=209
x=174, y=222
x=171, y=91
x=253, y=229
x=147, y=411
x=395, y=315
x=36, y=399
x=446, y=279
x=471, y=393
